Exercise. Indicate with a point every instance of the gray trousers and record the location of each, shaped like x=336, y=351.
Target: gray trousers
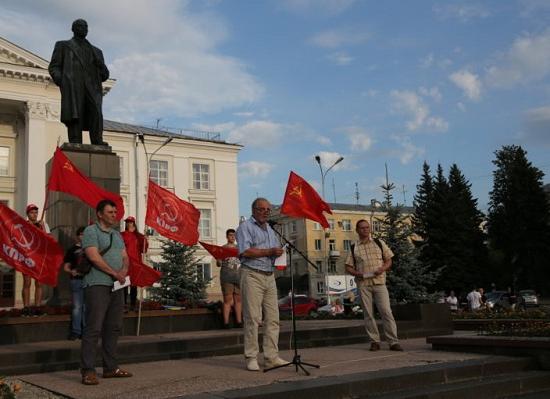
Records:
x=378, y=294
x=104, y=312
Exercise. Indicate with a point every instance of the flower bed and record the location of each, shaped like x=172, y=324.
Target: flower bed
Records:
x=485, y=314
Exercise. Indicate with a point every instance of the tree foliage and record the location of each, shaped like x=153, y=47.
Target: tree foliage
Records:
x=181, y=281
x=408, y=279
x=518, y=222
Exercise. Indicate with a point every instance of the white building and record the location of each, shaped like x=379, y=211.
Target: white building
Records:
x=200, y=170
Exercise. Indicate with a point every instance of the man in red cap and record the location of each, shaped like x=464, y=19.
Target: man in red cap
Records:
x=32, y=217
x=136, y=246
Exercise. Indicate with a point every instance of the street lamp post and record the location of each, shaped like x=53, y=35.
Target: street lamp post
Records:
x=323, y=175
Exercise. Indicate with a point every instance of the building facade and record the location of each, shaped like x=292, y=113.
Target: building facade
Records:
x=325, y=249
x=199, y=170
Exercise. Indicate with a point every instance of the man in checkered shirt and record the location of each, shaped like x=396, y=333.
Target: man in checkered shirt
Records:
x=368, y=261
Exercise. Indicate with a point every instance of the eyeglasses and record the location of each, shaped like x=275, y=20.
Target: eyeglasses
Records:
x=263, y=210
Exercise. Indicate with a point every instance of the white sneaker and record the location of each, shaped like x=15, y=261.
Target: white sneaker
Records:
x=252, y=364
x=277, y=361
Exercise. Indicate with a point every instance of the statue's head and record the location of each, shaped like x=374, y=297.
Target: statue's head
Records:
x=80, y=28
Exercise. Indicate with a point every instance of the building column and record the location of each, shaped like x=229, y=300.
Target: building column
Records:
x=35, y=142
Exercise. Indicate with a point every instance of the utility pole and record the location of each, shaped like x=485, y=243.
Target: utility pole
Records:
x=356, y=193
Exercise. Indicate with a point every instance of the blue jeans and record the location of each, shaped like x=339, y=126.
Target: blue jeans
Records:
x=77, y=315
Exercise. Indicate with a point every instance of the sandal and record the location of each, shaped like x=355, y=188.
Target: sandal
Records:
x=89, y=379
x=118, y=373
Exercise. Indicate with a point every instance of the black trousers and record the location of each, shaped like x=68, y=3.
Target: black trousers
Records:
x=104, y=313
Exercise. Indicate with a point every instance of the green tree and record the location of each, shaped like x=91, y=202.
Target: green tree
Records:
x=518, y=222
x=408, y=279
x=422, y=202
x=466, y=254
x=181, y=281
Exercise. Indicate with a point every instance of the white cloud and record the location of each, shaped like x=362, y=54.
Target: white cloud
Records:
x=534, y=7
x=340, y=58
x=407, y=151
x=360, y=139
x=255, y=169
x=537, y=125
x=164, y=56
x=430, y=60
x=432, y=92
x=468, y=82
x=369, y=93
x=462, y=12
x=330, y=7
x=258, y=134
x=338, y=38
x=527, y=60
x=323, y=140
x=412, y=105
x=244, y=114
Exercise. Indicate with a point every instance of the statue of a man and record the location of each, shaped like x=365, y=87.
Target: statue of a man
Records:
x=78, y=69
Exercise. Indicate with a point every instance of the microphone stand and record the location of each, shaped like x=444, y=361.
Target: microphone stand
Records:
x=296, y=360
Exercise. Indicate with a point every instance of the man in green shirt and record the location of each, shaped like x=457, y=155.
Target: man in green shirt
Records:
x=104, y=307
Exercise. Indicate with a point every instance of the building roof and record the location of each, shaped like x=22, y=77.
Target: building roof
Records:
x=357, y=208
x=114, y=126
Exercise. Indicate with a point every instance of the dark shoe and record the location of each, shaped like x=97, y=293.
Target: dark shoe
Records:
x=239, y=325
x=73, y=337
x=227, y=326
x=26, y=312
x=118, y=373
x=396, y=347
x=374, y=346
x=89, y=378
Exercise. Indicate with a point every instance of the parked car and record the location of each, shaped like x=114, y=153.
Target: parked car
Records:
x=499, y=300
x=527, y=299
x=303, y=305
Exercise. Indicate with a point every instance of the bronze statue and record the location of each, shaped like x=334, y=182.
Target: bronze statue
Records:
x=78, y=69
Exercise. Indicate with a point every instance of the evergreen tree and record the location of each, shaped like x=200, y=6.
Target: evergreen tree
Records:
x=466, y=256
x=422, y=202
x=181, y=281
x=518, y=222
x=408, y=279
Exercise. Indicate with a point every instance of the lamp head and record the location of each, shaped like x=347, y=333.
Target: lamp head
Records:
x=339, y=160
x=318, y=159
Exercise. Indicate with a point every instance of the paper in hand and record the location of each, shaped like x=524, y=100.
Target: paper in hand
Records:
x=117, y=286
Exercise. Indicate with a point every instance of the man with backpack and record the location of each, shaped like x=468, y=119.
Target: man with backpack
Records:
x=368, y=261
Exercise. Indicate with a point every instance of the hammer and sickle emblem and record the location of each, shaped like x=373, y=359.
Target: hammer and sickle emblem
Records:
x=23, y=241
x=170, y=212
x=68, y=166
x=296, y=190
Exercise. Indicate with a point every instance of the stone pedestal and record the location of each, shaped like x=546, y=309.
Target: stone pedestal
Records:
x=66, y=213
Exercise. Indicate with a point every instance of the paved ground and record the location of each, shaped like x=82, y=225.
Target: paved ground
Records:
x=168, y=379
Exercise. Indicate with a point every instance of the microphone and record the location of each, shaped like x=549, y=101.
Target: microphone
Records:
x=272, y=223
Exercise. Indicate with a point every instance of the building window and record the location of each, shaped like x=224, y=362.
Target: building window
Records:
x=347, y=245
x=318, y=245
x=376, y=226
x=319, y=264
x=332, y=266
x=332, y=245
x=204, y=271
x=205, y=223
x=158, y=172
x=201, y=176
x=320, y=287
x=293, y=227
x=4, y=161
x=331, y=224
x=346, y=224
x=316, y=226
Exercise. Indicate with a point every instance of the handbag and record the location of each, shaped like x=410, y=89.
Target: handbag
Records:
x=84, y=264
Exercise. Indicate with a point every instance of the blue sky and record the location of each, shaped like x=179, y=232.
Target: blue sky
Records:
x=395, y=82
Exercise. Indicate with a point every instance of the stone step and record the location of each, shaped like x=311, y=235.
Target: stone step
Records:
x=490, y=387
x=392, y=382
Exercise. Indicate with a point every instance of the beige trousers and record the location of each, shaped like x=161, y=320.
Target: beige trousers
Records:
x=379, y=294
x=259, y=300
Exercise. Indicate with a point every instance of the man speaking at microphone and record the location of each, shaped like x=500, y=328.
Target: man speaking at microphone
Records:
x=258, y=249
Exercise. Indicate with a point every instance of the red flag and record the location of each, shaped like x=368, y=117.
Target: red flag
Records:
x=171, y=216
x=301, y=200
x=28, y=249
x=66, y=177
x=142, y=275
x=220, y=253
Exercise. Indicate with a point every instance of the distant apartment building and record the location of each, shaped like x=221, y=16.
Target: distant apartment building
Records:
x=325, y=249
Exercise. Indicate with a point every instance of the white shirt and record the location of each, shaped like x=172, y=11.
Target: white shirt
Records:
x=452, y=301
x=474, y=300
